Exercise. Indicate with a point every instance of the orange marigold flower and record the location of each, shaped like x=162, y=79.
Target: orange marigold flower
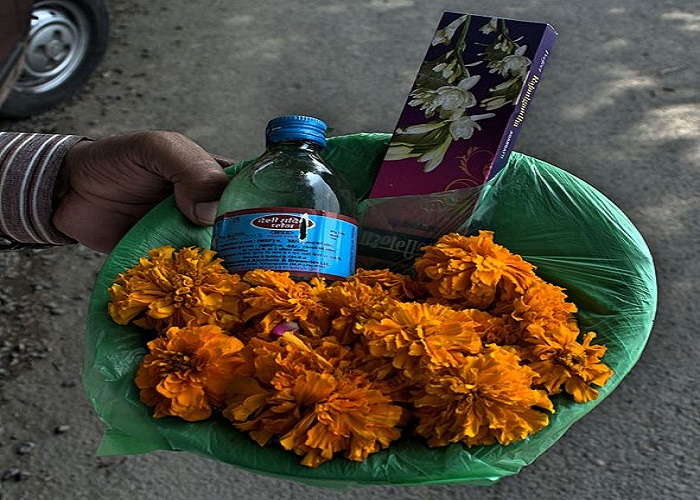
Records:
x=276, y=298
x=561, y=361
x=177, y=288
x=316, y=406
x=473, y=270
x=421, y=336
x=488, y=398
x=348, y=415
x=188, y=371
x=351, y=302
x=276, y=363
x=542, y=307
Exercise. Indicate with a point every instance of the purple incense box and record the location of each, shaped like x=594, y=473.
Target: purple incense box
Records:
x=466, y=106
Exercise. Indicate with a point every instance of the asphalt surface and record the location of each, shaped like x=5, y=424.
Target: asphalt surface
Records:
x=618, y=107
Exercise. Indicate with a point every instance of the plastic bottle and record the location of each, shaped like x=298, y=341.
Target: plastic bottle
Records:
x=289, y=210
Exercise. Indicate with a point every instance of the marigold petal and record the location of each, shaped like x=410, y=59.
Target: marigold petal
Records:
x=580, y=390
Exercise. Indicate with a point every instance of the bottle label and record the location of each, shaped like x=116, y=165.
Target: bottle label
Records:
x=305, y=242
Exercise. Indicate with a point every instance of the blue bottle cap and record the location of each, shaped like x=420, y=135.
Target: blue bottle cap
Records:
x=296, y=127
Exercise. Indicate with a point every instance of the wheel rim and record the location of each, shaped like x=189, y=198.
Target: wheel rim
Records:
x=58, y=41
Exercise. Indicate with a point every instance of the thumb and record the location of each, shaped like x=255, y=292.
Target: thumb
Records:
x=198, y=189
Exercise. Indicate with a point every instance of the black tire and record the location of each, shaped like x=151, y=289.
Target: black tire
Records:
x=86, y=23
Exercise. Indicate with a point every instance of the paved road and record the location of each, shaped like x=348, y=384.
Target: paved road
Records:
x=618, y=107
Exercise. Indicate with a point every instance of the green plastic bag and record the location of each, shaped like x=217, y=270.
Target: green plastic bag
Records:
x=576, y=237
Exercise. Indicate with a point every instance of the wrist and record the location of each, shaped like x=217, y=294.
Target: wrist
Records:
x=63, y=178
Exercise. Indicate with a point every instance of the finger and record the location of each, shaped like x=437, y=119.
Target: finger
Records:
x=198, y=178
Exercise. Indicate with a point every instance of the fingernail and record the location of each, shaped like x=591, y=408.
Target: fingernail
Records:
x=205, y=212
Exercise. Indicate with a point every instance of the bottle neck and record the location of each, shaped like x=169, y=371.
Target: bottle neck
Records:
x=305, y=145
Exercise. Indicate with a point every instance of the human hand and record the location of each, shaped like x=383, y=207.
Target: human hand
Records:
x=106, y=186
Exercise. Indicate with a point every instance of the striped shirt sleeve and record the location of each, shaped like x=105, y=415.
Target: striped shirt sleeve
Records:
x=29, y=165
